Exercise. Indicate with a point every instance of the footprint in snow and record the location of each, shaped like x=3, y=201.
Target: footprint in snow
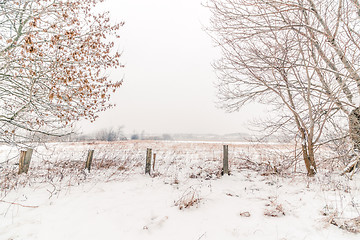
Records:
x=155, y=222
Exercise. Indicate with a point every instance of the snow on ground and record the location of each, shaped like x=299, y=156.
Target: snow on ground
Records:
x=186, y=198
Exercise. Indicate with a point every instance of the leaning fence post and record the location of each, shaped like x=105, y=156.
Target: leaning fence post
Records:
x=226, y=160
x=89, y=159
x=148, y=161
x=24, y=161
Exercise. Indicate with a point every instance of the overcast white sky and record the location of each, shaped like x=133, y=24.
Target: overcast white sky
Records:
x=168, y=79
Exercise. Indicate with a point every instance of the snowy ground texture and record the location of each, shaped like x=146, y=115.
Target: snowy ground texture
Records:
x=185, y=198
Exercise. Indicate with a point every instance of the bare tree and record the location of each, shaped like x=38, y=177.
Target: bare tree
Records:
x=110, y=134
x=331, y=29
x=53, y=61
x=268, y=55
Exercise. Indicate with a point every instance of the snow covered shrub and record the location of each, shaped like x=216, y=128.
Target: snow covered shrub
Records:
x=189, y=198
x=342, y=207
x=350, y=225
x=274, y=209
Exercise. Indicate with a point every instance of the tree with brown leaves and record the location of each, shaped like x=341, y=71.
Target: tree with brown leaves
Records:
x=54, y=55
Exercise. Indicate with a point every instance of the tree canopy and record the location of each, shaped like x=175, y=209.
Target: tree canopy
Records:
x=54, y=57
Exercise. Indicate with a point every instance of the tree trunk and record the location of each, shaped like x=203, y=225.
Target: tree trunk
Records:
x=308, y=155
x=308, y=162
x=354, y=128
x=311, y=156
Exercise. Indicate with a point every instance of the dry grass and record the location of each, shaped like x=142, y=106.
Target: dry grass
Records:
x=350, y=225
x=189, y=198
x=63, y=163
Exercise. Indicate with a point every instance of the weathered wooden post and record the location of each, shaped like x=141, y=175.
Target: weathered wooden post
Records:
x=154, y=158
x=226, y=160
x=24, y=161
x=89, y=159
x=148, y=161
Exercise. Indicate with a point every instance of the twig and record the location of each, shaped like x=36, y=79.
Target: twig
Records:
x=19, y=204
x=331, y=140
x=202, y=236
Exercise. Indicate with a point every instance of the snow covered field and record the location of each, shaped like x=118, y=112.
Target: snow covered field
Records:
x=185, y=198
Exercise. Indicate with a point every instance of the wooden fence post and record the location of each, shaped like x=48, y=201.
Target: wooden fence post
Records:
x=24, y=161
x=148, y=161
x=89, y=159
x=154, y=158
x=226, y=160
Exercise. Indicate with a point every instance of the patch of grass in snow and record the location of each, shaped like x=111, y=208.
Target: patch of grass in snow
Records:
x=189, y=198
